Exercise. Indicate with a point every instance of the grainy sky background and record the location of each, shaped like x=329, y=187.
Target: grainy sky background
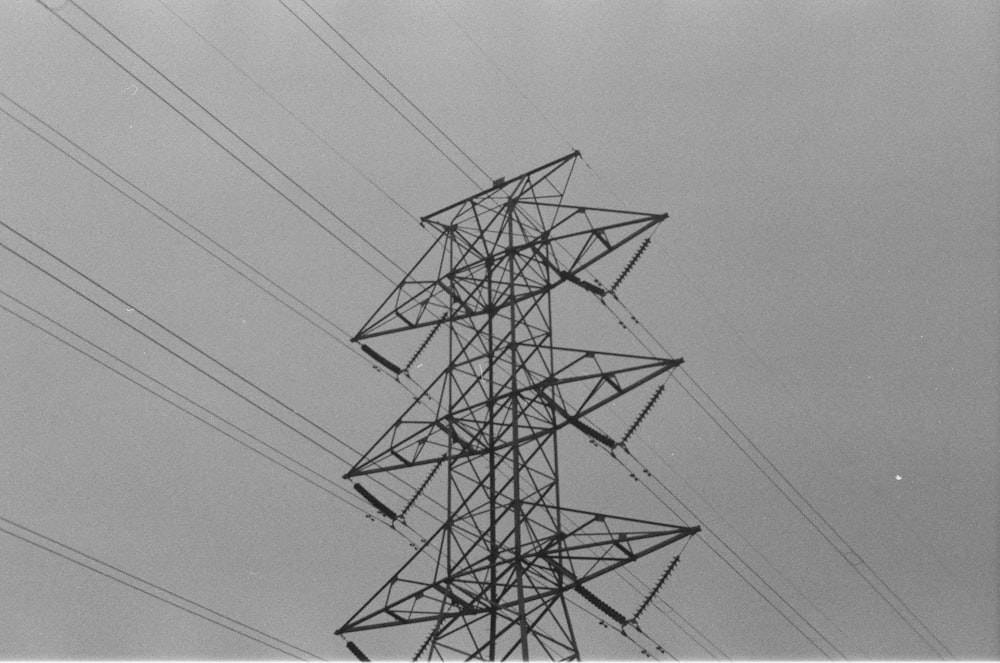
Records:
x=829, y=272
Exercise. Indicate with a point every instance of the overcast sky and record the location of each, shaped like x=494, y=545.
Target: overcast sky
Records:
x=829, y=272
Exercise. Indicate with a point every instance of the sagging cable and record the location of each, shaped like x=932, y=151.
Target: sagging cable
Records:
x=353, y=648
x=642, y=414
x=631, y=264
x=601, y=605
x=380, y=359
x=656, y=588
x=420, y=489
x=376, y=502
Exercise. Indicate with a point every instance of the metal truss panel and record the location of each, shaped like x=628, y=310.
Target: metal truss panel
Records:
x=556, y=562
x=584, y=381
x=476, y=250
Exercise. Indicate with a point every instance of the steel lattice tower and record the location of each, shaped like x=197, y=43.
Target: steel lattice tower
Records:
x=491, y=582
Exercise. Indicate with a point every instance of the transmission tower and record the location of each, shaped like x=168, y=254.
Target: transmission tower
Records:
x=492, y=581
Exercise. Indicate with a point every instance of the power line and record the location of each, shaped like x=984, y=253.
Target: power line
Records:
x=173, y=353
x=814, y=517
x=513, y=84
x=503, y=73
x=648, y=472
x=132, y=581
x=879, y=585
x=134, y=309
x=184, y=221
x=329, y=483
x=237, y=136
x=843, y=554
x=885, y=589
x=707, y=532
x=693, y=516
x=223, y=147
x=394, y=87
x=671, y=612
x=353, y=350
x=104, y=179
x=290, y=112
x=184, y=398
x=379, y=93
x=200, y=370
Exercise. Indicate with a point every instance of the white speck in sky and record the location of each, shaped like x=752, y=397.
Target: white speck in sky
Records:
x=899, y=478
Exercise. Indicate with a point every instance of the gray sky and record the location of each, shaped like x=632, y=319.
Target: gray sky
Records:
x=829, y=273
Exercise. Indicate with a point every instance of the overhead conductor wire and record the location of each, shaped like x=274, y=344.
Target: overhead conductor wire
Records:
x=354, y=351
x=220, y=145
x=276, y=297
x=814, y=517
x=382, y=96
x=273, y=187
x=184, y=221
x=234, y=134
x=178, y=395
x=289, y=111
x=175, y=354
x=150, y=589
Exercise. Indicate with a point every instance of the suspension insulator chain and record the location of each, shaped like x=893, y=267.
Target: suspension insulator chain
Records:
x=396, y=370
x=631, y=264
x=586, y=285
x=642, y=415
x=375, y=502
x=593, y=433
x=423, y=645
x=423, y=346
x=656, y=588
x=601, y=605
x=354, y=649
x=420, y=489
